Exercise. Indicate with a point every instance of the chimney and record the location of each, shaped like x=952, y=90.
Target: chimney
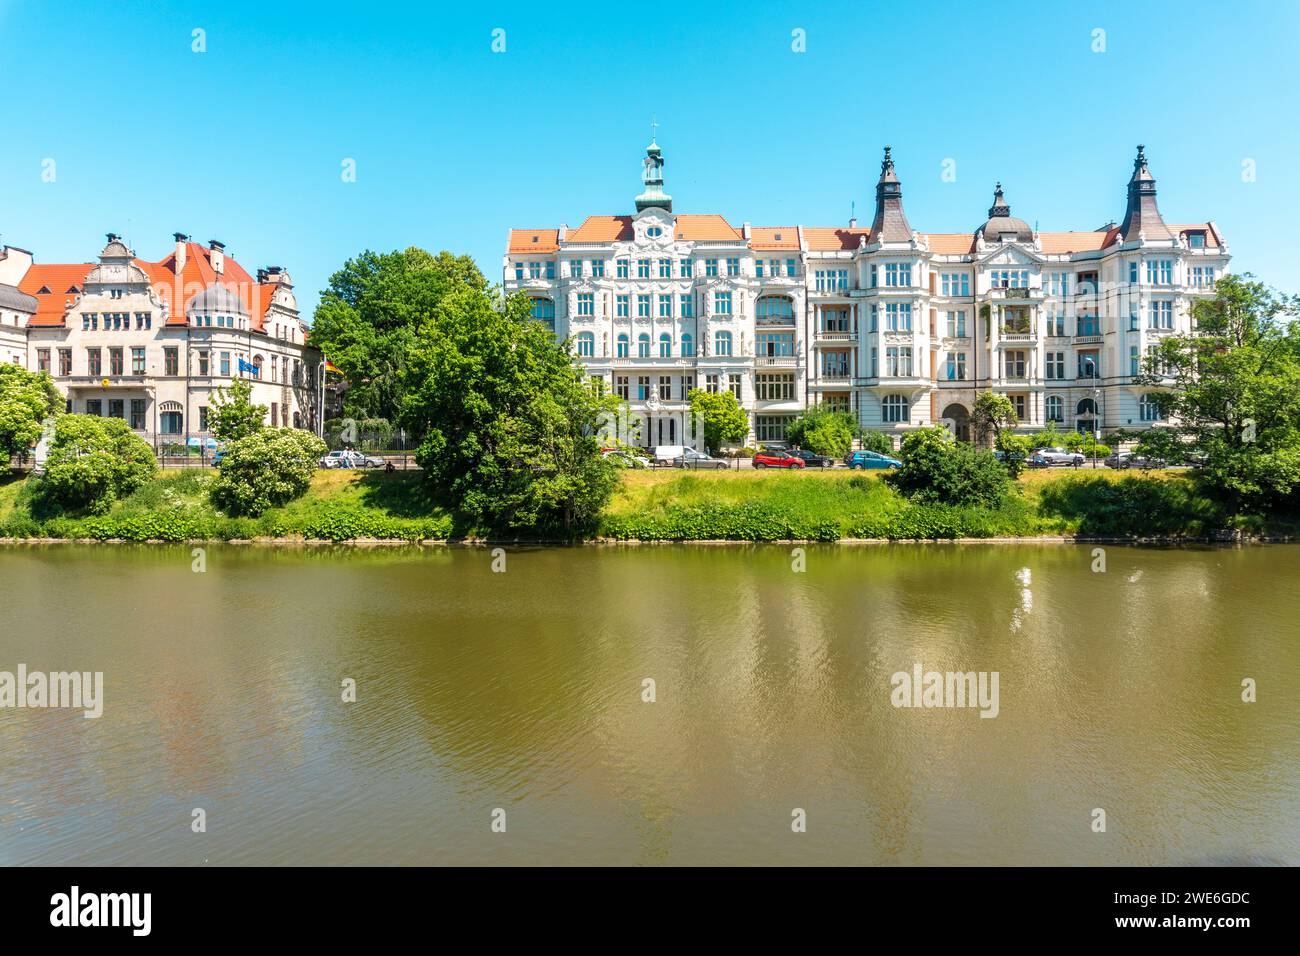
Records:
x=217, y=255
x=180, y=239
x=563, y=232
x=745, y=230
x=273, y=275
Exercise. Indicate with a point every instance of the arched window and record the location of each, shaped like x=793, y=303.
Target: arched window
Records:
x=1086, y=407
x=895, y=408
x=775, y=310
x=170, y=418
x=722, y=343
x=586, y=344
x=622, y=345
x=665, y=345
x=1055, y=409
x=688, y=345
x=1148, y=410
x=543, y=310
x=643, y=345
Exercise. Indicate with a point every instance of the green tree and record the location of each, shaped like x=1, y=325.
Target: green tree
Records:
x=724, y=421
x=27, y=399
x=1229, y=395
x=823, y=431
x=992, y=413
x=1015, y=451
x=233, y=415
x=369, y=316
x=93, y=462
x=265, y=469
x=507, y=425
x=937, y=469
x=878, y=442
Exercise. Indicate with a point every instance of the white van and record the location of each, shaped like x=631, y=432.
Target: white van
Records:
x=668, y=454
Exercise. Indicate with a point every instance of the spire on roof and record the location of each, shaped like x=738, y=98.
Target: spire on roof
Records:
x=890, y=222
x=1000, y=207
x=1142, y=214
x=653, y=176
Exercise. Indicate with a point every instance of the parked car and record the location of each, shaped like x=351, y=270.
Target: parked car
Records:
x=811, y=460
x=668, y=454
x=871, y=459
x=1056, y=458
x=690, y=458
x=778, y=459
x=350, y=459
x=1129, y=459
x=625, y=459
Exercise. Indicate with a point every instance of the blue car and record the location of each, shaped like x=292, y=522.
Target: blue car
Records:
x=871, y=459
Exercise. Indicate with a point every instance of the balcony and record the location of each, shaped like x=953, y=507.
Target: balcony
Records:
x=1090, y=339
x=833, y=290
x=1017, y=338
x=835, y=338
x=776, y=361
x=650, y=361
x=837, y=379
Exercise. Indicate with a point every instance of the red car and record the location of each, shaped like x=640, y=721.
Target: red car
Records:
x=778, y=459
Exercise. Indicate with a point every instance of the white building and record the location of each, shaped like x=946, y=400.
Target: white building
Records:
x=900, y=327
x=149, y=342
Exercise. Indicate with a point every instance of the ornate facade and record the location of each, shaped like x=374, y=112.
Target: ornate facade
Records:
x=902, y=328
x=149, y=342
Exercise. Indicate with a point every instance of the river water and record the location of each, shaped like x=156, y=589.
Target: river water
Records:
x=523, y=690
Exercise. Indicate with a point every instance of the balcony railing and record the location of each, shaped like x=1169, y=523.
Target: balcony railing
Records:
x=777, y=361
x=836, y=336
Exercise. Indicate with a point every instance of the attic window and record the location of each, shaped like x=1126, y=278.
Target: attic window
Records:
x=654, y=232
x=73, y=290
x=777, y=237
x=536, y=238
x=1196, y=240
x=43, y=290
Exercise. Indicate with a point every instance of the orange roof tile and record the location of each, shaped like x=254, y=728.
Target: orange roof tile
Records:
x=175, y=290
x=602, y=229
x=774, y=237
x=707, y=228
x=830, y=239
x=534, y=240
x=1056, y=243
x=951, y=243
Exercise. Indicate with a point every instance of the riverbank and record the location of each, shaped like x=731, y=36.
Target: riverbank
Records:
x=652, y=506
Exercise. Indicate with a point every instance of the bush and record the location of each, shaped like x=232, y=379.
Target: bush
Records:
x=878, y=442
x=268, y=468
x=823, y=432
x=93, y=462
x=937, y=470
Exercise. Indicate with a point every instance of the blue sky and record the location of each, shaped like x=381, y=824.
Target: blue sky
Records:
x=454, y=143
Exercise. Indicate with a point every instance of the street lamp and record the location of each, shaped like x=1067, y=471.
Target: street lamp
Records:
x=1096, y=407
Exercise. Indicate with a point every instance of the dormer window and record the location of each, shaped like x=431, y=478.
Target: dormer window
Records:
x=654, y=232
x=1196, y=240
x=777, y=237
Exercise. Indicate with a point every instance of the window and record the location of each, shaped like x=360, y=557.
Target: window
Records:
x=643, y=345
x=733, y=383
x=665, y=387
x=1133, y=268
x=688, y=345
x=665, y=306
x=115, y=361
x=586, y=344
x=665, y=345
x=835, y=364
x=171, y=361
x=1160, y=272
x=550, y=270
x=1055, y=365
x=586, y=304
x=1020, y=406
x=733, y=267
x=543, y=310
x=774, y=310
x=686, y=268
x=1014, y=363
x=94, y=406
x=1055, y=409
x=643, y=306
x=687, y=304
x=621, y=387
x=895, y=409
x=831, y=280
x=770, y=428
x=534, y=270
x=621, y=268
x=955, y=283
x=170, y=418
x=956, y=324
x=598, y=268
x=1058, y=284
x=116, y=408
x=654, y=232
x=956, y=366
x=1148, y=410
x=1134, y=360
x=1161, y=315
x=771, y=344
x=665, y=268
x=642, y=387
x=1196, y=240
x=1088, y=325
x=622, y=306
x=519, y=272
x=94, y=362
x=143, y=320
x=1088, y=367
x=643, y=268
x=1010, y=278
x=1055, y=320
x=42, y=360
x=711, y=384
x=835, y=320
x=721, y=303
x=898, y=274
x=137, y=414
x=1202, y=276
x=224, y=364
x=898, y=361
x=575, y=269
x=874, y=362
x=898, y=317
x=203, y=363
x=622, y=345
x=710, y=267
x=65, y=361
x=722, y=343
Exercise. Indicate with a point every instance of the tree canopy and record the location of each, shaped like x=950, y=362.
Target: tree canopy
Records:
x=27, y=399
x=724, y=421
x=369, y=316
x=233, y=414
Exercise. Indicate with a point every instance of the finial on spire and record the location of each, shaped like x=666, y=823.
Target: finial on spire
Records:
x=1141, y=161
x=654, y=126
x=888, y=162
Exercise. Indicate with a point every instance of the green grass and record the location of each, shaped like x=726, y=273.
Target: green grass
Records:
x=663, y=505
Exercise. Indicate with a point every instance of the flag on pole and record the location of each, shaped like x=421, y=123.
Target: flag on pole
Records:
x=331, y=367
x=249, y=367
